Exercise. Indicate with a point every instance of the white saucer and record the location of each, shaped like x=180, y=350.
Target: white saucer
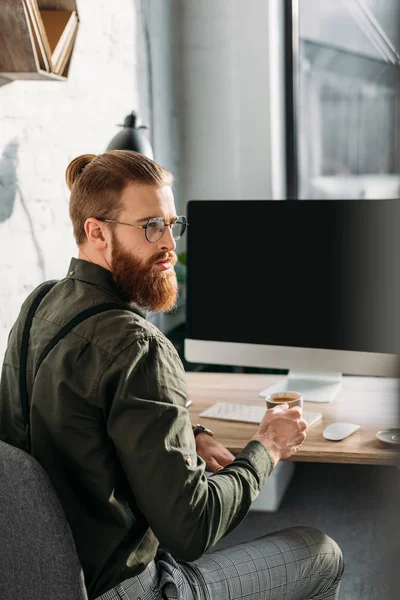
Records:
x=390, y=436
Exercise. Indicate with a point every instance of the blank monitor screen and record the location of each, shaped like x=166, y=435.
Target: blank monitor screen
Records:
x=308, y=274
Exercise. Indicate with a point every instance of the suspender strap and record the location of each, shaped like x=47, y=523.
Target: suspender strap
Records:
x=85, y=314
x=23, y=356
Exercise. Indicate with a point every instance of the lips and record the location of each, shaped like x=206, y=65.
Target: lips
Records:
x=164, y=265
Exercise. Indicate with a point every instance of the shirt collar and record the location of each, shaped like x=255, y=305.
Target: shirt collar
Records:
x=83, y=270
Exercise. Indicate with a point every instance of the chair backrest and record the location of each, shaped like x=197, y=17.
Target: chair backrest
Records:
x=38, y=558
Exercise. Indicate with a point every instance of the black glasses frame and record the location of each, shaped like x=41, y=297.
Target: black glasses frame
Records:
x=181, y=220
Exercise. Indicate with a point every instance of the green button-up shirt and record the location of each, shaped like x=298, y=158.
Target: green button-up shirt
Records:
x=110, y=427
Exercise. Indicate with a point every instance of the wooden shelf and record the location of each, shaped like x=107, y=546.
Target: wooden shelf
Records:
x=20, y=56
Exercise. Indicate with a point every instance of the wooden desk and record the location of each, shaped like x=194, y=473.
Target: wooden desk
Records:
x=373, y=403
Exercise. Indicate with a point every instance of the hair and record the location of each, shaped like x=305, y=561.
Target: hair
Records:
x=97, y=182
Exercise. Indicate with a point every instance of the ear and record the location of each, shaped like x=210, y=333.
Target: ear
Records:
x=97, y=233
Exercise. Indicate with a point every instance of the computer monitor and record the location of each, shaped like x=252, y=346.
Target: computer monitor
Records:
x=311, y=287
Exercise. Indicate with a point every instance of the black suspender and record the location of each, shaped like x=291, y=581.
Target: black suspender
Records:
x=23, y=356
x=85, y=314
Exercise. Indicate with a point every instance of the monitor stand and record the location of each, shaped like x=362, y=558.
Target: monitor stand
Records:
x=315, y=386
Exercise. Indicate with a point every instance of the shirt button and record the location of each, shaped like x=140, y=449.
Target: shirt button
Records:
x=188, y=461
x=71, y=273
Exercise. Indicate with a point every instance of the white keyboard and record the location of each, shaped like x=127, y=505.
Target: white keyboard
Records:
x=249, y=413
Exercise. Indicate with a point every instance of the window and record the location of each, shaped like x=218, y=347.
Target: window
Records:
x=344, y=88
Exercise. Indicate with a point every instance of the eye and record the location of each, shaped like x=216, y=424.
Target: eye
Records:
x=155, y=229
x=155, y=225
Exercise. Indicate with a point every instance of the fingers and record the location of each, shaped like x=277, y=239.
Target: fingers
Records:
x=278, y=409
x=296, y=412
x=226, y=458
x=284, y=429
x=214, y=466
x=300, y=437
x=303, y=424
x=298, y=441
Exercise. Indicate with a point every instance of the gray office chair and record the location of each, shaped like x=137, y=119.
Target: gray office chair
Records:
x=38, y=559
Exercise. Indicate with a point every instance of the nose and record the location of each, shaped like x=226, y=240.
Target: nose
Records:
x=167, y=242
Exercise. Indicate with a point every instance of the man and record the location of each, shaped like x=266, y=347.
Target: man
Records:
x=110, y=427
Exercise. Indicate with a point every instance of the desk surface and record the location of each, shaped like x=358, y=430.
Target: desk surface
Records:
x=373, y=403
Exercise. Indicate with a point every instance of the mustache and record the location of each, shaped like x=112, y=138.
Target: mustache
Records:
x=165, y=256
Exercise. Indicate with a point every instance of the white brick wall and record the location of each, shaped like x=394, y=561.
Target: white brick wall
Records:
x=219, y=139
x=43, y=125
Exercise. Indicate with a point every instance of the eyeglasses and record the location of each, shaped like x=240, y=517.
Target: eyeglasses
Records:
x=155, y=227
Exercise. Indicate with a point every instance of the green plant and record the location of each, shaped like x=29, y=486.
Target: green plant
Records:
x=180, y=267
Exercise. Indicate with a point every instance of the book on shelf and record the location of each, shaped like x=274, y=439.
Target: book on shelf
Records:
x=65, y=57
x=52, y=34
x=37, y=39
x=61, y=28
x=43, y=54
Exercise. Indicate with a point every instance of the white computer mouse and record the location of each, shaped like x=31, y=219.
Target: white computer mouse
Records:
x=339, y=431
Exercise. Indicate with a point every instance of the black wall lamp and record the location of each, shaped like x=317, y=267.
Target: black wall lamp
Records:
x=131, y=137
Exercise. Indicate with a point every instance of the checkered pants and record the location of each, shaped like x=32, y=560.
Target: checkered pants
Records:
x=297, y=563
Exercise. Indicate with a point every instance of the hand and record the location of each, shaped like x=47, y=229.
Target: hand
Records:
x=282, y=431
x=215, y=455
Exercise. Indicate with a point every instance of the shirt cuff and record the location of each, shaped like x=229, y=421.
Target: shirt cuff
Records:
x=260, y=459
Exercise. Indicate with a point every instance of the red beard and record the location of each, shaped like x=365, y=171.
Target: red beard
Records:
x=144, y=284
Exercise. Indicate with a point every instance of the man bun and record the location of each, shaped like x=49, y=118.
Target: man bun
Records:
x=76, y=167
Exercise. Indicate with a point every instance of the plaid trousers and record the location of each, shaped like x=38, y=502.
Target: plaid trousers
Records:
x=297, y=563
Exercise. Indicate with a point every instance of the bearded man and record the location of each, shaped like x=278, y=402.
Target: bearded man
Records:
x=109, y=424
